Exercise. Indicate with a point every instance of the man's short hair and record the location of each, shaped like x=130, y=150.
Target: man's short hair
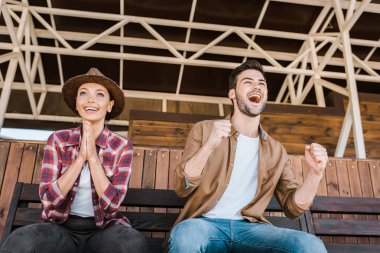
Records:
x=250, y=64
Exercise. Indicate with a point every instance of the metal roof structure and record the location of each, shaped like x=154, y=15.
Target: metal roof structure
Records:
x=171, y=50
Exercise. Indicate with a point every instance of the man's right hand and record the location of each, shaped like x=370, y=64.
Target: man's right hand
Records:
x=220, y=130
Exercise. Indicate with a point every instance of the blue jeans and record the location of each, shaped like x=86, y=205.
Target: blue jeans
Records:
x=222, y=235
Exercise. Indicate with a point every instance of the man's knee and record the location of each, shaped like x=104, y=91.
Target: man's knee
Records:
x=189, y=234
x=305, y=242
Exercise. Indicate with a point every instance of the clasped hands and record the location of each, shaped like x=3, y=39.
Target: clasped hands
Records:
x=87, y=151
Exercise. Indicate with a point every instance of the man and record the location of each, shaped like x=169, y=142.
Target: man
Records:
x=230, y=170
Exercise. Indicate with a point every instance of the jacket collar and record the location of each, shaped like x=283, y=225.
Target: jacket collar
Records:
x=262, y=132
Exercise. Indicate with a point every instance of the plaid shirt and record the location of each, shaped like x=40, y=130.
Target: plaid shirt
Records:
x=115, y=154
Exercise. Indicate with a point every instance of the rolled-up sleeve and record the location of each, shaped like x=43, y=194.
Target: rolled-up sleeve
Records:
x=286, y=189
x=117, y=189
x=50, y=193
x=183, y=184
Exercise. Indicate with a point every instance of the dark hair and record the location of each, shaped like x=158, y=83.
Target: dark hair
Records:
x=250, y=64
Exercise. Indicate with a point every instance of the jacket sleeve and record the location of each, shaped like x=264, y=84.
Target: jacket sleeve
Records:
x=286, y=189
x=183, y=184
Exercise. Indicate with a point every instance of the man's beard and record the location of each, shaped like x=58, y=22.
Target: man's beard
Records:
x=245, y=109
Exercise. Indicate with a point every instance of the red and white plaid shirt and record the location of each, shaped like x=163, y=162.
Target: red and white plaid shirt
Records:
x=115, y=154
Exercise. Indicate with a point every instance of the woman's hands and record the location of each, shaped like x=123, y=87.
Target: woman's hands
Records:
x=87, y=149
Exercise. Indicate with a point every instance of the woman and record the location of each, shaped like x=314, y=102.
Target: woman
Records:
x=84, y=178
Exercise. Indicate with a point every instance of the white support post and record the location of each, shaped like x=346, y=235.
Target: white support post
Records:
x=304, y=48
x=56, y=44
x=164, y=105
x=291, y=89
x=351, y=82
x=7, y=56
x=268, y=57
x=344, y=132
x=352, y=88
x=51, y=29
x=187, y=39
x=221, y=109
x=258, y=24
x=37, y=66
x=16, y=38
x=314, y=63
x=6, y=89
x=121, y=61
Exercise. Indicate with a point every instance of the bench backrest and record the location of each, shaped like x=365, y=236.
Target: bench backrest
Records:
x=147, y=218
x=334, y=217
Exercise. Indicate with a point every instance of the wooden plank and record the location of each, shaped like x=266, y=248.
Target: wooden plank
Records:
x=175, y=158
x=162, y=180
x=344, y=227
x=12, y=210
x=149, y=174
x=135, y=180
x=322, y=191
x=27, y=164
x=159, y=141
x=4, y=149
x=353, y=175
x=333, y=190
x=37, y=171
x=10, y=179
x=344, y=191
x=38, y=164
x=367, y=190
x=374, y=167
x=352, y=248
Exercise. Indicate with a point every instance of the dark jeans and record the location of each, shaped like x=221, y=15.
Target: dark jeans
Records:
x=75, y=235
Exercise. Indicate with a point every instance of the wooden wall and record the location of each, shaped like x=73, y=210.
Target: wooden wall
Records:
x=292, y=126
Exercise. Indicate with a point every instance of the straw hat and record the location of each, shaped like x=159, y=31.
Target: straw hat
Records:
x=71, y=86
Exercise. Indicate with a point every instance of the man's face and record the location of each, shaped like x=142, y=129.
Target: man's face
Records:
x=251, y=92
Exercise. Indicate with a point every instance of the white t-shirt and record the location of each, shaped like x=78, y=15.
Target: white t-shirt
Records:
x=243, y=183
x=82, y=204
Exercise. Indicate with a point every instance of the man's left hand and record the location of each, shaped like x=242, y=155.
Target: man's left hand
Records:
x=316, y=157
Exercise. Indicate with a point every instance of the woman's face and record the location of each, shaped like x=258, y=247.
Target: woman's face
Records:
x=93, y=102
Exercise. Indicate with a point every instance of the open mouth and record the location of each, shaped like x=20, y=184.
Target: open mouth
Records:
x=91, y=109
x=254, y=97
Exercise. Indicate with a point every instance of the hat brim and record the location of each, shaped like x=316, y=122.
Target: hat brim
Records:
x=71, y=86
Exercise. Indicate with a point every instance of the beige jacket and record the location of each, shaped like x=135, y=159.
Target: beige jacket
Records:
x=203, y=192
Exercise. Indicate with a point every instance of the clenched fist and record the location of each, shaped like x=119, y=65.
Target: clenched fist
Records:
x=220, y=129
x=316, y=157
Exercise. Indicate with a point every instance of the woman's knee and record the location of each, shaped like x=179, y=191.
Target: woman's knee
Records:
x=33, y=237
x=118, y=238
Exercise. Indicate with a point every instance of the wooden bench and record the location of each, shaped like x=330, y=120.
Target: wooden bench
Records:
x=335, y=217
x=153, y=168
x=22, y=213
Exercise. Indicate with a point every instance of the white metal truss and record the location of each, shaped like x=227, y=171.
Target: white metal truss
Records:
x=24, y=52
